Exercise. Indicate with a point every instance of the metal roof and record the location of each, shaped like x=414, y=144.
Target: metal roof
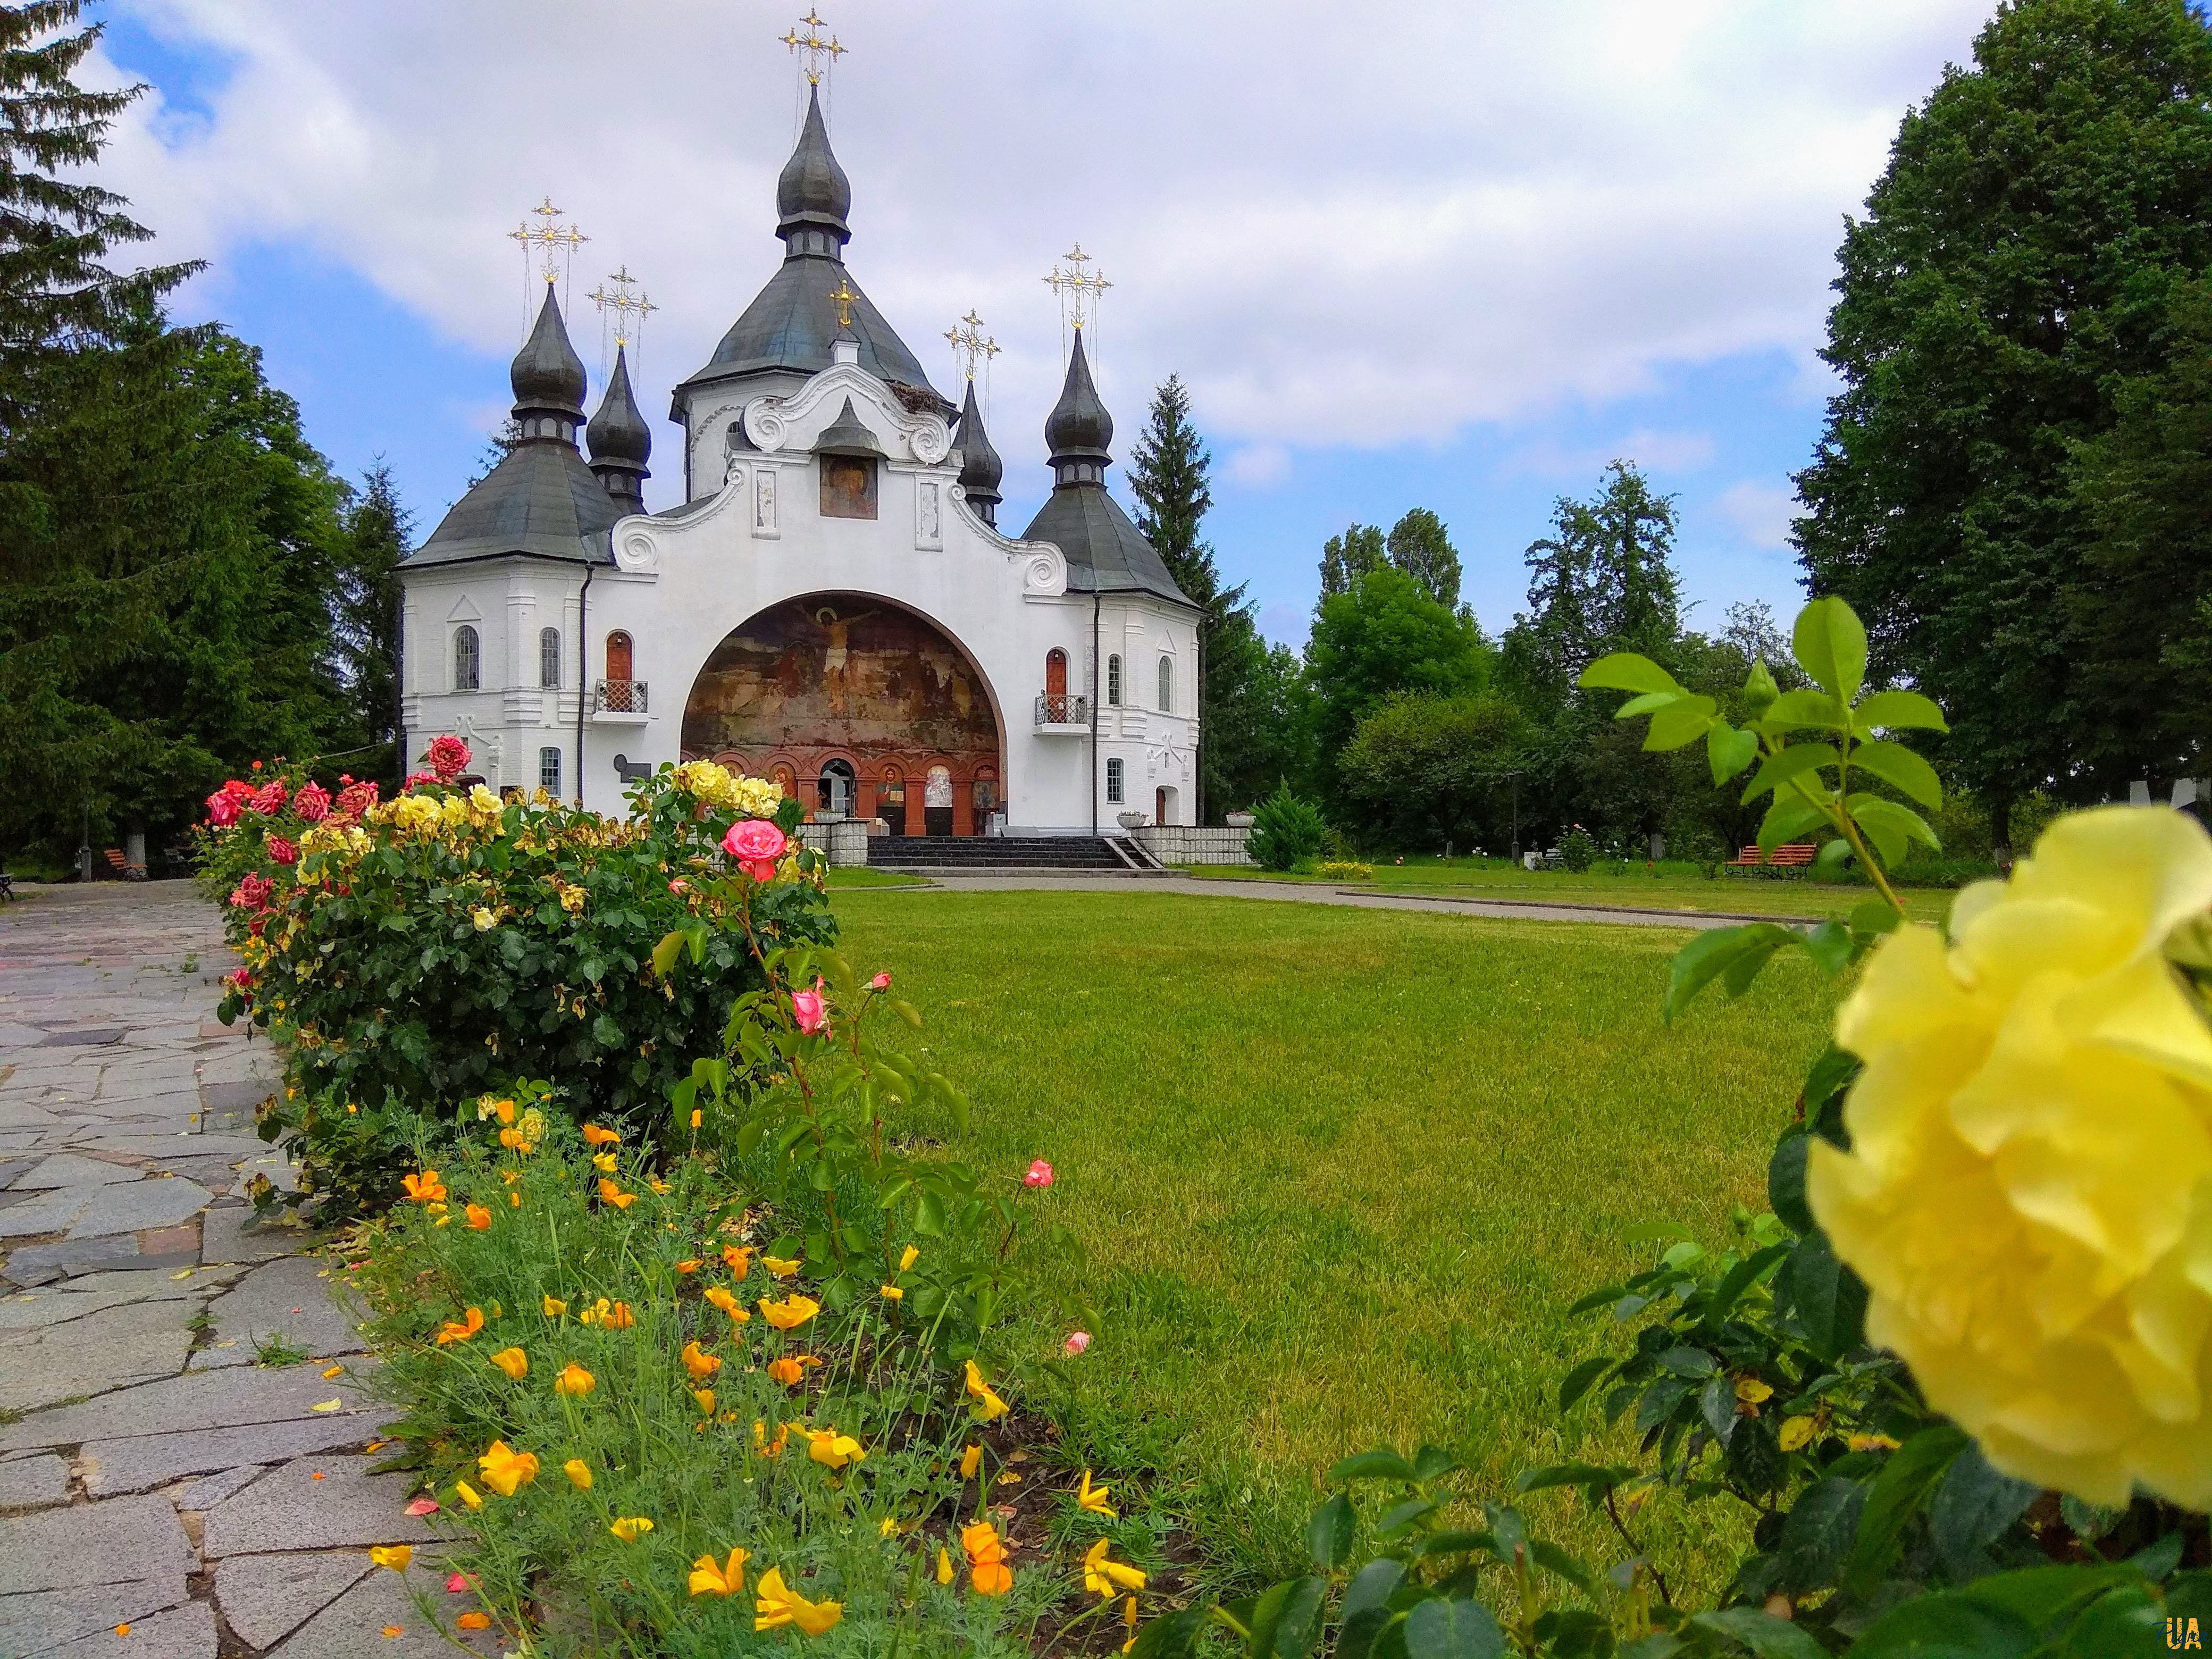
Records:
x=541, y=501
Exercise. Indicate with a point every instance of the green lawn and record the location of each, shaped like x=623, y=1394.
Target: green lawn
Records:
x=1667, y=889
x=1339, y=1172
x=859, y=875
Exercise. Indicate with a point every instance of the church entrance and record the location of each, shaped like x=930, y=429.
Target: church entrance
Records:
x=865, y=706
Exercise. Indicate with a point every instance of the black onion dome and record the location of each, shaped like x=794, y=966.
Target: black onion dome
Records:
x=980, y=469
x=618, y=431
x=1078, y=427
x=547, y=373
x=813, y=188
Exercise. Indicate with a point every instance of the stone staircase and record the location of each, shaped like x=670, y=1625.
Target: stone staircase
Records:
x=956, y=855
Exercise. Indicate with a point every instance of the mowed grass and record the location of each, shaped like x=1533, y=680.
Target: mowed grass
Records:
x=1665, y=889
x=1339, y=1172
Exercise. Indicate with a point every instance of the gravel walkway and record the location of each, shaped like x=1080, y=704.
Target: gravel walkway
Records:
x=154, y=1472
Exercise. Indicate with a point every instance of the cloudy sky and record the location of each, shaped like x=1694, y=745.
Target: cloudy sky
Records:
x=1451, y=255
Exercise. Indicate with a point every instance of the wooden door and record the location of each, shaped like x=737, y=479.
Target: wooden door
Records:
x=618, y=656
x=1159, y=807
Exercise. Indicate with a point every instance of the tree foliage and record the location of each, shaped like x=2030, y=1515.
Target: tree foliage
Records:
x=378, y=532
x=1419, y=545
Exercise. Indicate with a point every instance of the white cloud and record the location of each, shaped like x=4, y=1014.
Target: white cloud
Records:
x=1257, y=466
x=1652, y=451
x=1335, y=239
x=1760, y=511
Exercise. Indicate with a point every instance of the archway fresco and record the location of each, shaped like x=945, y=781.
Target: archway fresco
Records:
x=851, y=678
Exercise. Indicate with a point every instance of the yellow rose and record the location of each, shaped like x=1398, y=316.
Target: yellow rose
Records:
x=2029, y=1191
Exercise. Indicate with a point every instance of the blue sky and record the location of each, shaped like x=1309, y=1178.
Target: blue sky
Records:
x=1464, y=279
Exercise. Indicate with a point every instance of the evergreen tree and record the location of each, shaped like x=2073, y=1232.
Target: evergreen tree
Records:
x=1604, y=580
x=378, y=532
x=2016, y=266
x=1346, y=559
x=1419, y=546
x=1169, y=473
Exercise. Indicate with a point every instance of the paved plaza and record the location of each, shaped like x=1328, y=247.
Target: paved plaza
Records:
x=186, y=1417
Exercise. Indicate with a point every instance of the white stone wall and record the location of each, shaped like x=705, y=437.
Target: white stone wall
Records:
x=1194, y=846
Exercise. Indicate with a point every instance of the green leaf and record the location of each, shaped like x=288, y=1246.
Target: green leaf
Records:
x=1287, y=1622
x=1650, y=702
x=1892, y=827
x=1794, y=761
x=1679, y=724
x=1728, y=751
x=1817, y=1533
x=1790, y=817
x=1579, y=1381
x=1693, y=1362
x=1460, y=1541
x=1829, y=1298
x=1453, y=1630
x=1767, y=1636
x=1328, y=1533
x=1798, y=710
x=1174, y=1637
x=1365, y=1609
x=1874, y=915
x=1785, y=1181
x=1974, y=1507
x=1908, y=1475
x=1626, y=670
x=1894, y=764
x=2042, y=1597
x=1830, y=945
x=1898, y=710
x=1828, y=863
x=1741, y=1277
x=663, y=954
x=1830, y=644
x=1372, y=1466
x=1595, y=1479
x=2158, y=1559
x=2124, y=1621
x=1432, y=1463
x=1557, y=1562
x=1705, y=957
x=1950, y=1626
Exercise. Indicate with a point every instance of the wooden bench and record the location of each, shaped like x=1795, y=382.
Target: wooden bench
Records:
x=1795, y=856
x=7, y=885
x=124, y=867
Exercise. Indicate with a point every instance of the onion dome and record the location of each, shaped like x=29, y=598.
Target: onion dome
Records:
x=1078, y=429
x=847, y=436
x=980, y=469
x=620, y=442
x=548, y=376
x=812, y=195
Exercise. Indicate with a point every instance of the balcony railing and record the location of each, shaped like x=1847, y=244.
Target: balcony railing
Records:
x=619, y=697
x=1060, y=708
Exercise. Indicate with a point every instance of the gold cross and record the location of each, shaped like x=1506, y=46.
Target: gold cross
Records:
x=1074, y=285
x=623, y=304
x=554, y=243
x=814, y=46
x=971, y=344
x=844, y=295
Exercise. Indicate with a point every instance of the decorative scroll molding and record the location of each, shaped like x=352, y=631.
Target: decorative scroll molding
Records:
x=777, y=423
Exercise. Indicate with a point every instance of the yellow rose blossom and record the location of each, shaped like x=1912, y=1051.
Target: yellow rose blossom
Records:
x=579, y=1473
x=989, y=1406
x=574, y=1381
x=631, y=1527
x=726, y=1578
x=832, y=1450
x=394, y=1556
x=1106, y=1577
x=789, y=1316
x=2026, y=1195
x=485, y=920
x=504, y=1469
x=776, y=1604
x=1094, y=1498
x=514, y=1361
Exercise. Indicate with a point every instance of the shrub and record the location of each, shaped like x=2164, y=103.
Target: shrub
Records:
x=1577, y=849
x=416, y=951
x=1286, y=831
x=1346, y=870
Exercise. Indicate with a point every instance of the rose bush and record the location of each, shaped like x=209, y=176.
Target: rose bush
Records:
x=415, y=952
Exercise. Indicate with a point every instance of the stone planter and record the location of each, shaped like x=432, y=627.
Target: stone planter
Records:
x=1237, y=820
x=1130, y=820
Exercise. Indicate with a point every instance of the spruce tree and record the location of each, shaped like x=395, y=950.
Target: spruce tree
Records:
x=378, y=531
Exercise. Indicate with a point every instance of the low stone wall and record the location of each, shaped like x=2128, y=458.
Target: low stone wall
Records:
x=845, y=842
x=1182, y=846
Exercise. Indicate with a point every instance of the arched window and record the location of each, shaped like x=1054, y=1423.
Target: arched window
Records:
x=836, y=786
x=549, y=659
x=465, y=654
x=1167, y=684
x=1114, y=681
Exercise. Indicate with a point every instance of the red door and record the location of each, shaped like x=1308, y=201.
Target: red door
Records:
x=1055, y=686
x=619, y=657
x=1159, y=807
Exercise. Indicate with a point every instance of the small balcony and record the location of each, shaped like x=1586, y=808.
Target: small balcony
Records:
x=618, y=703
x=1062, y=715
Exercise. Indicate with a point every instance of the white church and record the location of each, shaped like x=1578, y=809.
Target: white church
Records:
x=834, y=605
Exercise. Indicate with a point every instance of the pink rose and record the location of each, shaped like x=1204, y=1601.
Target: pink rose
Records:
x=222, y=810
x=457, y=1583
x=755, y=844
x=414, y=778
x=355, y=799
x=270, y=798
x=1039, y=1173
x=313, y=803
x=283, y=851
x=880, y=982
x=811, y=1012
x=679, y=886
x=1076, y=1343
x=448, y=758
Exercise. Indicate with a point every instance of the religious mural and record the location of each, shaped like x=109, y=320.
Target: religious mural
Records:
x=853, y=686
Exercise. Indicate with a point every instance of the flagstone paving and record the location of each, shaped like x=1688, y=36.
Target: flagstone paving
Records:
x=158, y=1469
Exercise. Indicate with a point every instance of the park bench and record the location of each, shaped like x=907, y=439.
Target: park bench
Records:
x=1795, y=856
x=124, y=867
x=7, y=885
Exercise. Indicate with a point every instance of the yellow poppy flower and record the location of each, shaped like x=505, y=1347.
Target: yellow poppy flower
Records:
x=574, y=1380
x=1108, y=1577
x=908, y=1257
x=553, y=1309
x=468, y=1494
x=987, y=1404
x=944, y=1566
x=660, y=1187
x=1094, y=1498
x=631, y=1527
x=479, y=1217
x=596, y=1136
x=971, y=1461
x=776, y=1604
x=579, y=1473
x=891, y=1292
x=424, y=1189
x=699, y=1363
x=394, y=1556
x=514, y=1361
x=721, y=1297
x=705, y=1397
x=779, y=1267
x=619, y=1317
x=605, y=1163
x=988, y=1571
x=790, y=1315
x=615, y=1195
x=832, y=1450
x=461, y=1329
x=504, y=1469
x=727, y=1578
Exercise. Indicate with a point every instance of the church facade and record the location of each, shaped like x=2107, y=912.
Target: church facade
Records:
x=833, y=605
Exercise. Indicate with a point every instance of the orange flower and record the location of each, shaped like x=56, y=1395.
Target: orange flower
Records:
x=619, y=1317
x=574, y=1380
x=988, y=1571
x=479, y=1217
x=689, y=1266
x=727, y=1579
x=596, y=1136
x=504, y=1469
x=615, y=1195
x=461, y=1329
x=738, y=1259
x=971, y=1461
x=763, y=1445
x=424, y=1189
x=474, y=1621
x=705, y=1400
x=514, y=1361
x=699, y=1363
x=721, y=1297
x=789, y=1370
x=791, y=1315
x=832, y=1450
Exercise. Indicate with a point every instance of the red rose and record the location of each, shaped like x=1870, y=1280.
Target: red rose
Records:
x=283, y=851
x=270, y=798
x=313, y=803
x=448, y=758
x=222, y=810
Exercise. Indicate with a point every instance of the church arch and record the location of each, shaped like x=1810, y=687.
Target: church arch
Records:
x=875, y=686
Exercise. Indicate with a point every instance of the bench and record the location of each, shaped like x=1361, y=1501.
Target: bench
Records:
x=7, y=885
x=124, y=867
x=1795, y=856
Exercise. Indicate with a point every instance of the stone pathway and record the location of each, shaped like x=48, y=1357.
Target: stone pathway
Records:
x=154, y=1472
